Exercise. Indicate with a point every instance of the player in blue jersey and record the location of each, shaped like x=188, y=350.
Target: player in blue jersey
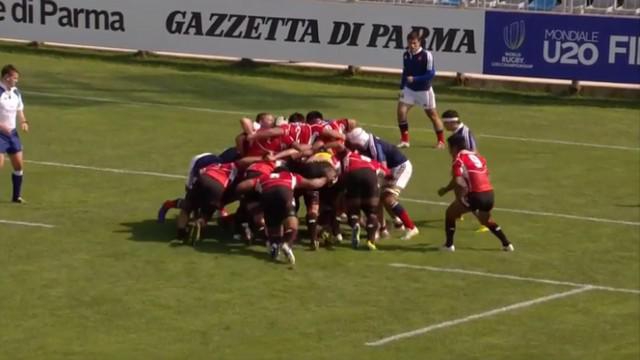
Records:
x=415, y=89
x=198, y=163
x=458, y=129
x=12, y=112
x=401, y=170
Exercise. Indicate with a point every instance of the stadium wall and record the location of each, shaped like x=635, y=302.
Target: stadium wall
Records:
x=476, y=41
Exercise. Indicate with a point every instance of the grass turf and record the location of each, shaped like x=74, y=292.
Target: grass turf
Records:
x=104, y=282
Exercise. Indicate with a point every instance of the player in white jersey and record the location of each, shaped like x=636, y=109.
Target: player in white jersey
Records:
x=12, y=115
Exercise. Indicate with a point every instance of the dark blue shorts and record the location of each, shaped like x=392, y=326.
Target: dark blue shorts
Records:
x=10, y=144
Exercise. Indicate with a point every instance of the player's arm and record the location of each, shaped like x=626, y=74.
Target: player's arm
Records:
x=248, y=160
x=265, y=134
x=431, y=71
x=246, y=186
x=338, y=146
x=247, y=125
x=311, y=184
x=285, y=154
x=461, y=189
x=24, y=124
x=449, y=187
x=332, y=134
x=240, y=142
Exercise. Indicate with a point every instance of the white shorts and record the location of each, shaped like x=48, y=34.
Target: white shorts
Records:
x=401, y=176
x=426, y=99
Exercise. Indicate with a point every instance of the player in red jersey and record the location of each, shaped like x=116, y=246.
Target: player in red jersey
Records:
x=360, y=178
x=276, y=191
x=205, y=196
x=473, y=190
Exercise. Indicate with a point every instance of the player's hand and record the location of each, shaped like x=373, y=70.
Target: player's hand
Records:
x=442, y=191
x=24, y=126
x=409, y=79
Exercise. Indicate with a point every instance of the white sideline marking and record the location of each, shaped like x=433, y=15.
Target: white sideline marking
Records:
x=117, y=171
x=25, y=223
x=560, y=142
x=135, y=103
x=539, y=213
x=220, y=111
x=449, y=323
x=514, y=277
x=516, y=138
x=517, y=211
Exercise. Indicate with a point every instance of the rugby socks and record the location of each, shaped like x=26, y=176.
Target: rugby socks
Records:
x=450, y=229
x=290, y=236
x=404, y=131
x=312, y=226
x=400, y=212
x=182, y=234
x=440, y=135
x=497, y=231
x=16, y=180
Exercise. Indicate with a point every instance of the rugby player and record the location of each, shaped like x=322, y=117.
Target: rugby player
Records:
x=276, y=197
x=360, y=177
x=415, y=89
x=401, y=170
x=474, y=193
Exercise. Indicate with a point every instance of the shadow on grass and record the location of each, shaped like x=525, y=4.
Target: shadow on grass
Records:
x=215, y=239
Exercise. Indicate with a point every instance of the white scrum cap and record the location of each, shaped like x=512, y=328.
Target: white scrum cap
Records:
x=358, y=137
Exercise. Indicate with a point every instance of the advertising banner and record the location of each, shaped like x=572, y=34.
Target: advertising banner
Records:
x=297, y=30
x=574, y=47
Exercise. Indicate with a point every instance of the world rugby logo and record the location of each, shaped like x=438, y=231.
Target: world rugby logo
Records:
x=513, y=35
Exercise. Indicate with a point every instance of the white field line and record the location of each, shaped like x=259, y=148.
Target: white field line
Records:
x=514, y=277
x=538, y=213
x=117, y=171
x=221, y=111
x=516, y=138
x=485, y=314
x=517, y=211
x=25, y=223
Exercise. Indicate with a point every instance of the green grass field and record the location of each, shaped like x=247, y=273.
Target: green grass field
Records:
x=105, y=284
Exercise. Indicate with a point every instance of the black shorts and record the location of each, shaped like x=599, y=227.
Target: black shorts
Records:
x=205, y=195
x=277, y=204
x=212, y=192
x=313, y=170
x=362, y=184
x=481, y=201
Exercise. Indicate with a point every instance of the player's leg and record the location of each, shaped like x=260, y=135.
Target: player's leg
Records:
x=312, y=203
x=432, y=113
x=290, y=235
x=401, y=176
x=1, y=160
x=276, y=211
x=370, y=207
x=402, y=112
x=482, y=203
x=485, y=219
x=453, y=212
x=17, y=163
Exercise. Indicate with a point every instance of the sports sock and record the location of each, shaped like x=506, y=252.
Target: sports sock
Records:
x=450, y=229
x=16, y=180
x=497, y=231
x=403, y=215
x=440, y=135
x=404, y=131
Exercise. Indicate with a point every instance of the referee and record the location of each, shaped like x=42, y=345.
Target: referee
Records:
x=11, y=109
